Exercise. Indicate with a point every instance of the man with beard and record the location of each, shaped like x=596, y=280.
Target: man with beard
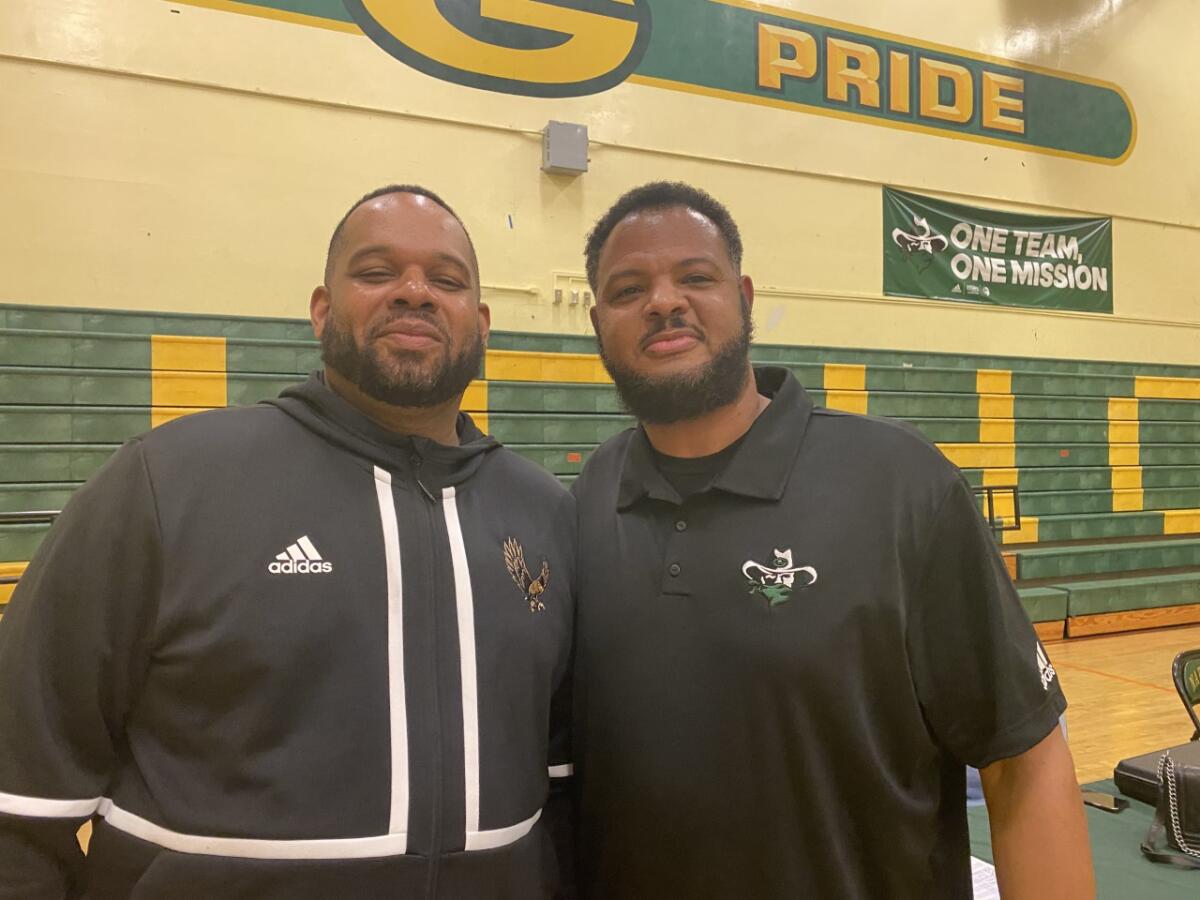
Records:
x=794, y=629
x=305, y=649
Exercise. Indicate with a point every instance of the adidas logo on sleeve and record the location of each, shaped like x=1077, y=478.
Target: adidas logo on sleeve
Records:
x=1045, y=667
x=300, y=558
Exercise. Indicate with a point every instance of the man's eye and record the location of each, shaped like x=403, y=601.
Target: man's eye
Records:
x=449, y=284
x=697, y=278
x=626, y=292
x=374, y=275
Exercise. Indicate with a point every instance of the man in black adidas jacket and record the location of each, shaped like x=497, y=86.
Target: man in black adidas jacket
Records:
x=310, y=648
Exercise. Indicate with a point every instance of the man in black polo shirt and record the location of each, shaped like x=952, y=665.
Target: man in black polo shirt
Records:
x=794, y=629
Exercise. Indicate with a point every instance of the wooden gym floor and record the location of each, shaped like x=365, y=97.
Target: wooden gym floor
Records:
x=1121, y=700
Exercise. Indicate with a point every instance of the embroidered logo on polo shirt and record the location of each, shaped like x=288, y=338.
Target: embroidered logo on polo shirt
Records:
x=534, y=588
x=777, y=580
x=1045, y=668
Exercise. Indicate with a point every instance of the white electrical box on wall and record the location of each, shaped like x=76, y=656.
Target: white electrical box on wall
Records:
x=564, y=148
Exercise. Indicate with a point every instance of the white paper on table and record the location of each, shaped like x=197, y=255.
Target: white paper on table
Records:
x=983, y=880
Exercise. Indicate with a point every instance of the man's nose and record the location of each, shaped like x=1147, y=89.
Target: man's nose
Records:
x=413, y=289
x=665, y=300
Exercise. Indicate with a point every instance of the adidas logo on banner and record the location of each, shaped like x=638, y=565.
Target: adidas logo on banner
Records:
x=301, y=558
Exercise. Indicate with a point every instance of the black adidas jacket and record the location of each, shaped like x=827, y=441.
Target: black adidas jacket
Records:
x=280, y=652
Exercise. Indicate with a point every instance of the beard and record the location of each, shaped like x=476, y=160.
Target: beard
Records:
x=401, y=378
x=666, y=399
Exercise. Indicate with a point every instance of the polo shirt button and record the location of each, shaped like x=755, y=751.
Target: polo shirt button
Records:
x=674, y=569
x=681, y=525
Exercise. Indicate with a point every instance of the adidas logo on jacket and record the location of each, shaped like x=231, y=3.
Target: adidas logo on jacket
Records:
x=300, y=558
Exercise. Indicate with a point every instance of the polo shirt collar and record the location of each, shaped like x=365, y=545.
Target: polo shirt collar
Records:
x=760, y=466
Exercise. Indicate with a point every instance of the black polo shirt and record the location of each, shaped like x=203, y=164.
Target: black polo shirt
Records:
x=780, y=680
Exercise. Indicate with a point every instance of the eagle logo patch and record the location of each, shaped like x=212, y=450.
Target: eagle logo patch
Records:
x=776, y=581
x=533, y=588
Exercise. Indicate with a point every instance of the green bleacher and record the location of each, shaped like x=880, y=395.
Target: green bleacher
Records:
x=1106, y=456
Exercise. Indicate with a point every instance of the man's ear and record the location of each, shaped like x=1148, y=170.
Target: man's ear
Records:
x=318, y=309
x=595, y=320
x=485, y=321
x=748, y=290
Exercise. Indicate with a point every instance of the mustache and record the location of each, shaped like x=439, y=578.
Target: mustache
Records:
x=674, y=323
x=412, y=315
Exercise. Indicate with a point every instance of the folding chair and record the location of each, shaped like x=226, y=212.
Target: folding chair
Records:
x=1186, y=672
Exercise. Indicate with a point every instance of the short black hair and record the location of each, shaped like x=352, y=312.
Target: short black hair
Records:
x=662, y=195
x=416, y=189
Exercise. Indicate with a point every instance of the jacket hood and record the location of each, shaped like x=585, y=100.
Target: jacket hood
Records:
x=315, y=406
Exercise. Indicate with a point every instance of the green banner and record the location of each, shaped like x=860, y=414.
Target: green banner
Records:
x=949, y=251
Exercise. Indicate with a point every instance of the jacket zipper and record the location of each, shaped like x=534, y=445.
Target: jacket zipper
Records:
x=435, y=854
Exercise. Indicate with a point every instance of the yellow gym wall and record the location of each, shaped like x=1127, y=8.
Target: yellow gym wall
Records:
x=194, y=156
